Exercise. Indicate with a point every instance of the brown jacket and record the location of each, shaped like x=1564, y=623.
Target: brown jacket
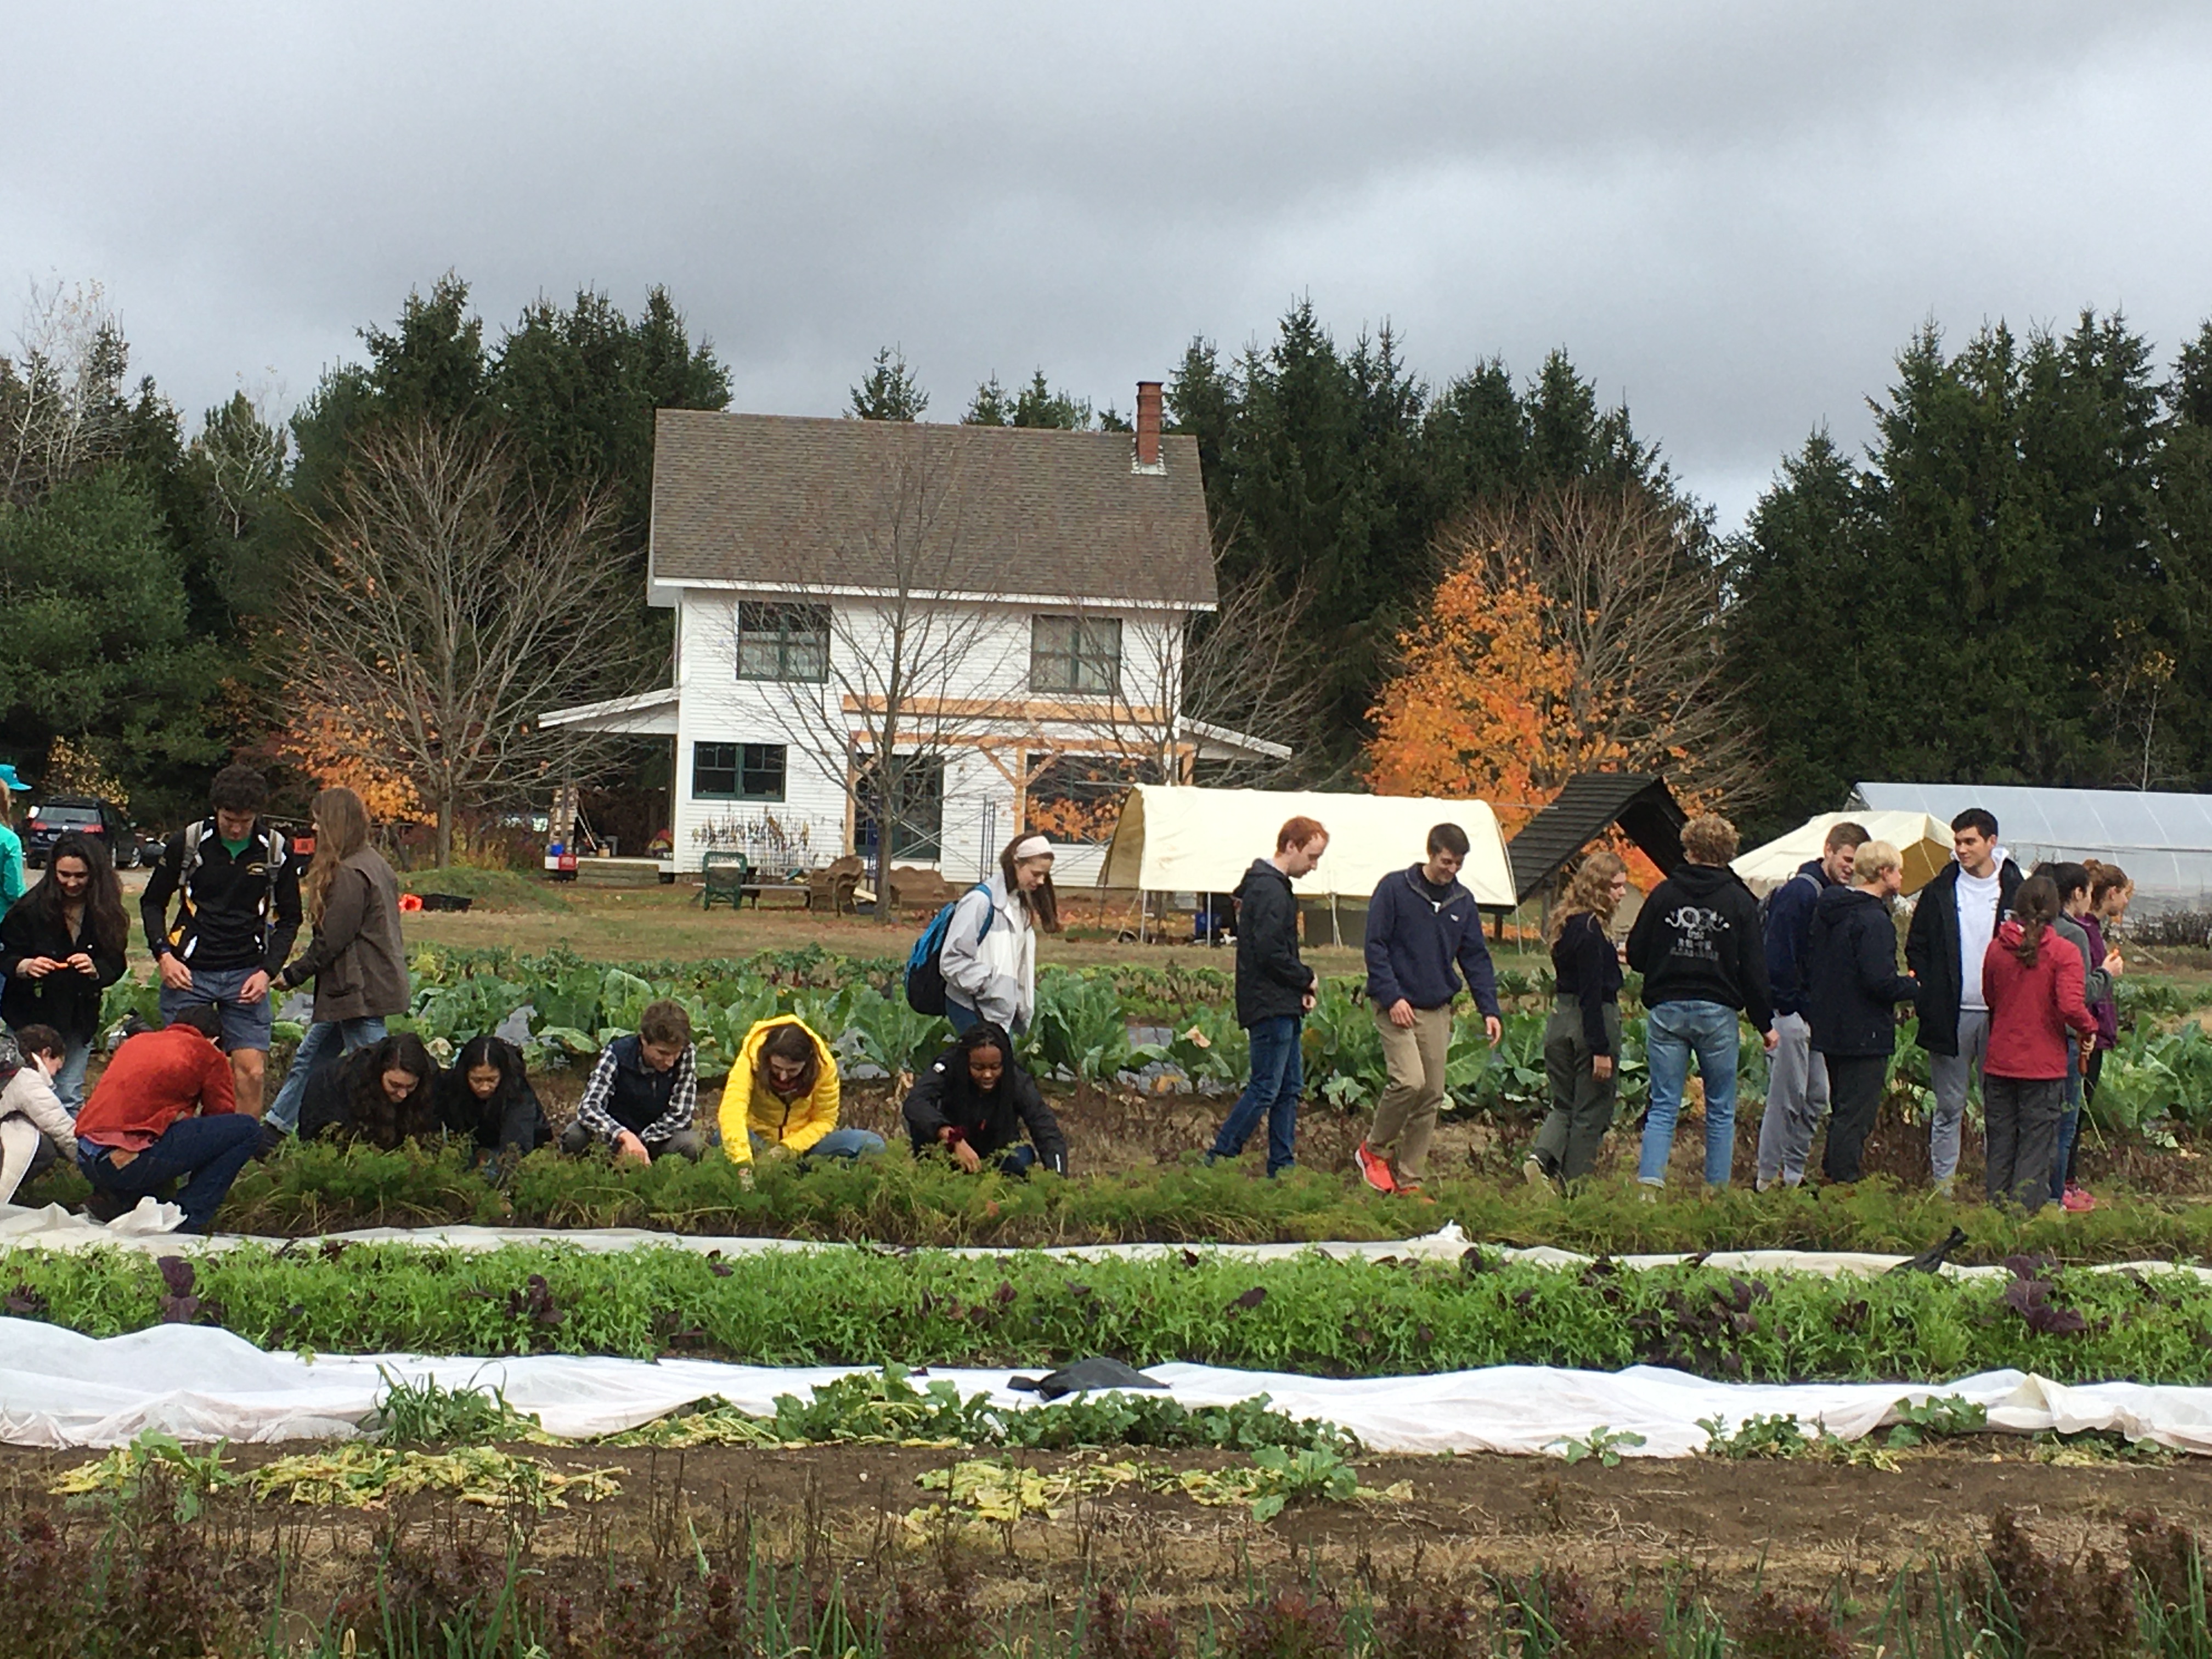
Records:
x=357, y=961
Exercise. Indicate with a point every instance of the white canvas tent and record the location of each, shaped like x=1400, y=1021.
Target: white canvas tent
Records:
x=1172, y=839
x=1925, y=842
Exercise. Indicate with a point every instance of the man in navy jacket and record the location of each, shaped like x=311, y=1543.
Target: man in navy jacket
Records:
x=1797, y=1077
x=1274, y=993
x=1423, y=936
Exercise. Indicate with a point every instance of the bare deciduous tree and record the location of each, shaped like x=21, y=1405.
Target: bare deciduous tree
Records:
x=896, y=661
x=1634, y=596
x=62, y=408
x=447, y=608
x=1245, y=669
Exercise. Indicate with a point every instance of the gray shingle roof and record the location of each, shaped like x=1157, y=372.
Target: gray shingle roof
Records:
x=798, y=502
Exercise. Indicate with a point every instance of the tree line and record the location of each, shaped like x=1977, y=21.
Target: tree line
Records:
x=1495, y=580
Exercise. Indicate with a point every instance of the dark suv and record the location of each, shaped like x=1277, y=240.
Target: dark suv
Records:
x=48, y=821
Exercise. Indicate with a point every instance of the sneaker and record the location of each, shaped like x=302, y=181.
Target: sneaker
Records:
x=2077, y=1199
x=104, y=1207
x=1413, y=1190
x=273, y=1141
x=1534, y=1172
x=1372, y=1169
x=1649, y=1191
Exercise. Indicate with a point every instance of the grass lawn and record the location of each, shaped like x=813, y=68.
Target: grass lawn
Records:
x=629, y=924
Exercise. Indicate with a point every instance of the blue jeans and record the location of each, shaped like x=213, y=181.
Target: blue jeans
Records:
x=838, y=1143
x=1277, y=1079
x=1673, y=1032
x=206, y=1153
x=325, y=1040
x=69, y=1082
x=2070, y=1125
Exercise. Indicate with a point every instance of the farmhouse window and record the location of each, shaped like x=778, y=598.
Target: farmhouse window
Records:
x=737, y=771
x=781, y=640
x=1079, y=656
x=918, y=824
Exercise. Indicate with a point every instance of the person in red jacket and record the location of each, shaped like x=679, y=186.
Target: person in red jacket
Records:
x=2032, y=982
x=165, y=1110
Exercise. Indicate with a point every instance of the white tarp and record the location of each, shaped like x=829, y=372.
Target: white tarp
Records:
x=53, y=1228
x=1172, y=839
x=61, y=1389
x=1769, y=866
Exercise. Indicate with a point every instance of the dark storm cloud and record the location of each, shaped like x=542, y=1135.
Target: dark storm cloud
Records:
x=1732, y=214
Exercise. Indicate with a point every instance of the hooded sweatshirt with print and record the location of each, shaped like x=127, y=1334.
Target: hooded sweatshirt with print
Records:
x=1697, y=939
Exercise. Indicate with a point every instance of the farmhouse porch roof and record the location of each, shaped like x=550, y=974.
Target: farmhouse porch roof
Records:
x=783, y=503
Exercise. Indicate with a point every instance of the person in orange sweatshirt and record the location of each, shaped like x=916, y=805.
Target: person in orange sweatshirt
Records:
x=164, y=1110
x=2032, y=979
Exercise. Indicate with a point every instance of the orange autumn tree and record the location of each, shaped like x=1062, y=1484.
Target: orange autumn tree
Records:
x=1572, y=631
x=1487, y=702
x=329, y=745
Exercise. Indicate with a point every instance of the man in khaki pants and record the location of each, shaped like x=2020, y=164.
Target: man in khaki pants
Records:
x=1423, y=936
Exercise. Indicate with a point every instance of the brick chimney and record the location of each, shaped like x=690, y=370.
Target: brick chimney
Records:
x=1147, y=455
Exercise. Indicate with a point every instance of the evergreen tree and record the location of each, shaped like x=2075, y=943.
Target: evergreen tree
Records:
x=891, y=393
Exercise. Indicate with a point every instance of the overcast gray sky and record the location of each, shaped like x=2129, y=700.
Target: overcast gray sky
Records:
x=1732, y=214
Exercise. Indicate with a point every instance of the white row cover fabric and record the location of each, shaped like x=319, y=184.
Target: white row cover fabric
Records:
x=1202, y=840
x=1767, y=867
x=61, y=1389
x=53, y=1228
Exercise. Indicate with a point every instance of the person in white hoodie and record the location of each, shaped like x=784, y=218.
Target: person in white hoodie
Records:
x=29, y=1107
x=989, y=956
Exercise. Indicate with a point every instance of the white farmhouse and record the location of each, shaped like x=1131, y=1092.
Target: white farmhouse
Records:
x=1000, y=611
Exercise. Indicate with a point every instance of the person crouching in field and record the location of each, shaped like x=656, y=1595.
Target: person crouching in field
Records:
x=1850, y=988
x=974, y=1101
x=384, y=1094
x=644, y=1092
x=782, y=1098
x=162, y=1111
x=1274, y=993
x=31, y=1113
x=2032, y=979
x=485, y=1096
x=1582, y=1040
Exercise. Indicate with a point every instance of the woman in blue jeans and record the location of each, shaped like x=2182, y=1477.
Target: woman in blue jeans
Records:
x=1697, y=943
x=357, y=960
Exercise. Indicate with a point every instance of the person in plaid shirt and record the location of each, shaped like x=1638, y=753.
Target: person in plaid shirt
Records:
x=643, y=1092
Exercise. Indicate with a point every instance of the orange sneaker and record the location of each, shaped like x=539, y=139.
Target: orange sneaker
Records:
x=1413, y=1190
x=1375, y=1171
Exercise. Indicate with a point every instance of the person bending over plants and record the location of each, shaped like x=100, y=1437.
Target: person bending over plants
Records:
x=782, y=1097
x=31, y=1114
x=975, y=1102
x=643, y=1093
x=486, y=1096
x=164, y=1110
x=383, y=1093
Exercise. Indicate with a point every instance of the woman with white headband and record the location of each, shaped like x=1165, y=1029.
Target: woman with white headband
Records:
x=989, y=959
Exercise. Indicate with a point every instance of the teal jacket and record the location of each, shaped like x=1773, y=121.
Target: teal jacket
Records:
x=11, y=868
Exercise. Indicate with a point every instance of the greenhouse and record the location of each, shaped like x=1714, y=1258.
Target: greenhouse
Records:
x=2163, y=841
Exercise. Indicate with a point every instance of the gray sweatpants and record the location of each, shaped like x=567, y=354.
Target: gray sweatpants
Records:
x=1796, y=1101
x=1951, y=1075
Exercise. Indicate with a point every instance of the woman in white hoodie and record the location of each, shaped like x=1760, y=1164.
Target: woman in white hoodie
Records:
x=989, y=958
x=29, y=1107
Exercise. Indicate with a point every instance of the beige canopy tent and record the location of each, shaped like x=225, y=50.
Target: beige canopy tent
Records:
x=1172, y=839
x=1925, y=842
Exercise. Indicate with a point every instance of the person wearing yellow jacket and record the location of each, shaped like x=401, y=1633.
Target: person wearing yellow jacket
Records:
x=782, y=1098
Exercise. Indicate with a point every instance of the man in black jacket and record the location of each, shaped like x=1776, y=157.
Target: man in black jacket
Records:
x=1953, y=919
x=234, y=927
x=1696, y=943
x=1274, y=992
